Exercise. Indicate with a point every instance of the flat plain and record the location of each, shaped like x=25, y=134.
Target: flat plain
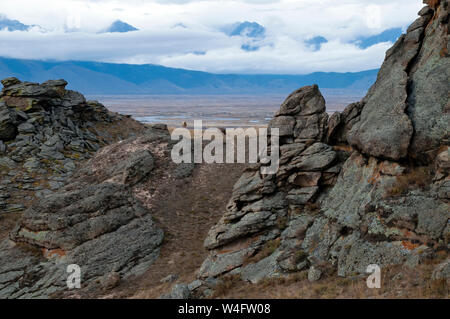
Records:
x=213, y=110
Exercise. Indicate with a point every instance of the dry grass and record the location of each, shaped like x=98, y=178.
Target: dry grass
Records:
x=397, y=282
x=419, y=177
x=266, y=250
x=185, y=209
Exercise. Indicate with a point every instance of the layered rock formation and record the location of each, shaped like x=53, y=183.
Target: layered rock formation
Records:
x=45, y=132
x=366, y=186
x=85, y=214
x=95, y=221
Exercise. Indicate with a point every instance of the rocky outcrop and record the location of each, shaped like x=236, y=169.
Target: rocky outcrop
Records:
x=366, y=186
x=404, y=112
x=262, y=212
x=46, y=131
x=95, y=221
x=86, y=215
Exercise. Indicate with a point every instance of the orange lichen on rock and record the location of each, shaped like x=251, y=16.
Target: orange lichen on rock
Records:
x=409, y=245
x=50, y=253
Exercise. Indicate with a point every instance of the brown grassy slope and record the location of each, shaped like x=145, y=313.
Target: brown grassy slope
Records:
x=396, y=282
x=185, y=209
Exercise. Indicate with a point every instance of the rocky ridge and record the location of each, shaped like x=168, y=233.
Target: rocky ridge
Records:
x=46, y=131
x=366, y=186
x=48, y=135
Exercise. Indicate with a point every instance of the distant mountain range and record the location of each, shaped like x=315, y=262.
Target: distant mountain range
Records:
x=110, y=78
x=12, y=25
x=15, y=25
x=120, y=26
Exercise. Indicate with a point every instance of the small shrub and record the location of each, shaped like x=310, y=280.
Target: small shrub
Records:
x=282, y=223
x=300, y=256
x=266, y=250
x=439, y=287
x=417, y=178
x=227, y=284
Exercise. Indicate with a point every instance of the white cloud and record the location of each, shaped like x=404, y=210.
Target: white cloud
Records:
x=288, y=23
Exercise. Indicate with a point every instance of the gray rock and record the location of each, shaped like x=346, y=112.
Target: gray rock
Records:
x=2, y=148
x=305, y=179
x=26, y=128
x=289, y=151
x=159, y=126
x=310, y=127
x=55, y=185
x=425, y=11
x=355, y=189
x=367, y=204
x=430, y=215
x=248, y=187
x=95, y=221
x=10, y=82
x=385, y=130
x=301, y=196
x=298, y=226
x=8, y=123
x=69, y=165
x=139, y=165
x=315, y=158
x=429, y=75
x=32, y=164
x=179, y=291
x=285, y=124
x=340, y=125
x=265, y=268
x=195, y=285
x=250, y=223
x=319, y=239
x=6, y=162
x=13, y=208
x=217, y=264
x=305, y=101
x=442, y=271
x=314, y=274
x=362, y=254
x=170, y=278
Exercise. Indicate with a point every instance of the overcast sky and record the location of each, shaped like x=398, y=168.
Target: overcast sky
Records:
x=189, y=33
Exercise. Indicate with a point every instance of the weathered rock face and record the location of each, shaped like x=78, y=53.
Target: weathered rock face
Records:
x=342, y=197
x=49, y=119
x=428, y=105
x=45, y=132
x=262, y=206
x=95, y=221
x=302, y=116
x=405, y=111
